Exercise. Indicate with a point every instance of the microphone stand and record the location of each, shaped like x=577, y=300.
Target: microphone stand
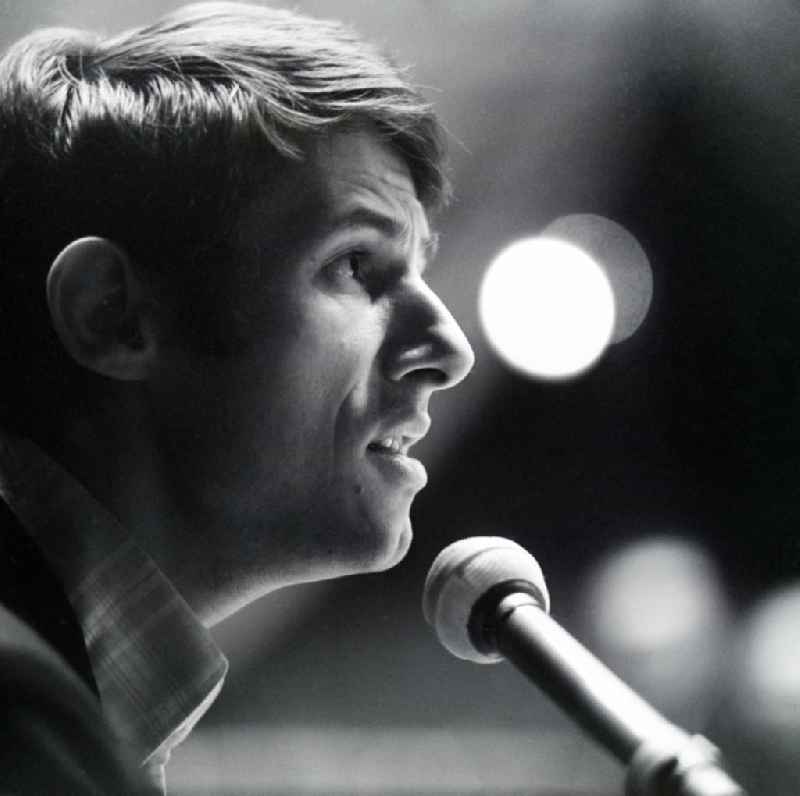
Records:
x=661, y=759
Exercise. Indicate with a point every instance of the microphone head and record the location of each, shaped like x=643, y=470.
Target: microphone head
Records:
x=463, y=573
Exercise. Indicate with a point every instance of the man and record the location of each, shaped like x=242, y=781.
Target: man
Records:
x=213, y=236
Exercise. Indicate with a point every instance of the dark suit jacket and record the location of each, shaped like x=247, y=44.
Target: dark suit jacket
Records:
x=55, y=739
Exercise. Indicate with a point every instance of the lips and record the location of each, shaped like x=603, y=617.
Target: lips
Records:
x=392, y=445
x=397, y=435
x=389, y=451
x=399, y=470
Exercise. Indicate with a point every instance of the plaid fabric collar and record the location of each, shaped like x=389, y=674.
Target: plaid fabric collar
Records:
x=157, y=668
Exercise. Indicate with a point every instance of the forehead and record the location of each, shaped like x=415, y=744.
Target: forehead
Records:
x=357, y=168
x=344, y=174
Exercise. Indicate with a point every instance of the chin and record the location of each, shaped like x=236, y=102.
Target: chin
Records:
x=396, y=550
x=382, y=545
x=368, y=536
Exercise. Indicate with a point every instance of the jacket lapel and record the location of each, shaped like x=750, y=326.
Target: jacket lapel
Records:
x=30, y=589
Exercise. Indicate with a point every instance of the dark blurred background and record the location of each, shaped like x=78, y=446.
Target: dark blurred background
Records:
x=658, y=489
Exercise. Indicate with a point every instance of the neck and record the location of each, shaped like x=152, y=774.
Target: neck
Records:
x=179, y=513
x=116, y=456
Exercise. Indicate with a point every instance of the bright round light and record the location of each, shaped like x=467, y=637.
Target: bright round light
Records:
x=656, y=613
x=622, y=259
x=546, y=308
x=770, y=677
x=655, y=593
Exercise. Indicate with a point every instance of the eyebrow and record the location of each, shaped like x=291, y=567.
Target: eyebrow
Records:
x=389, y=226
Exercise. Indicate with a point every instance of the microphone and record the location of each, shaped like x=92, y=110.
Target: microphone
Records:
x=487, y=600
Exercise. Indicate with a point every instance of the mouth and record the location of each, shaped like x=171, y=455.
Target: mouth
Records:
x=391, y=445
x=390, y=455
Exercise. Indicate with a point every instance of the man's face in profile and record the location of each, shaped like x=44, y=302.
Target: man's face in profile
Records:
x=299, y=445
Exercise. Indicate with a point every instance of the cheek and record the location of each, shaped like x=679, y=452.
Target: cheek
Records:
x=301, y=424
x=285, y=421
x=354, y=381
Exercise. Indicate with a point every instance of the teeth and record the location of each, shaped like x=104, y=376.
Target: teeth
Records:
x=393, y=444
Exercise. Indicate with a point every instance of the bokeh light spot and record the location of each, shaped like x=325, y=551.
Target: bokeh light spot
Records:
x=622, y=259
x=546, y=308
x=655, y=593
x=771, y=648
x=656, y=612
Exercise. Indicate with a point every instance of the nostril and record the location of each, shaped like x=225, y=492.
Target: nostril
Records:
x=433, y=376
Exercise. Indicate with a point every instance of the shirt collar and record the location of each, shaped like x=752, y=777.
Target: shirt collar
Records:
x=156, y=666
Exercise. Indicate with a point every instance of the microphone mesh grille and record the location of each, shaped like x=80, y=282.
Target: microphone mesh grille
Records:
x=461, y=574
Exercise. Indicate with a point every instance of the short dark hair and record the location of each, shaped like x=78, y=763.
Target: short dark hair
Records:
x=157, y=137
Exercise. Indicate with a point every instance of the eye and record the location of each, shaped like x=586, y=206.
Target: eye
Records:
x=349, y=269
x=354, y=264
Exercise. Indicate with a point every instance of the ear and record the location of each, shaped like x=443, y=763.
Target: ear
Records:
x=100, y=311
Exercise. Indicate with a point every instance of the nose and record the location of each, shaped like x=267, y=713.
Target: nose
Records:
x=426, y=344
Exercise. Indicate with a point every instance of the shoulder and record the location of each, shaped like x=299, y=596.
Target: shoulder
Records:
x=55, y=739
x=32, y=599
x=28, y=663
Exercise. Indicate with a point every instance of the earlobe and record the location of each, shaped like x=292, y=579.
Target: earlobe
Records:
x=99, y=310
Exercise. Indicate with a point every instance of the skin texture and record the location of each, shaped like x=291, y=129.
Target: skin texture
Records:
x=252, y=472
